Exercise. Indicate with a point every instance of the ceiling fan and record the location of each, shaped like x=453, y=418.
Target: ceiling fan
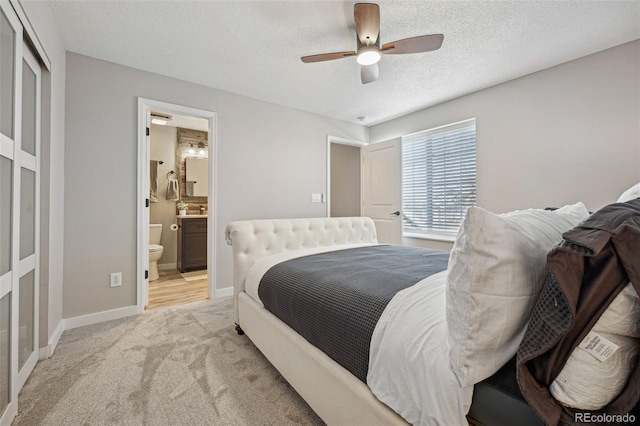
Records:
x=369, y=52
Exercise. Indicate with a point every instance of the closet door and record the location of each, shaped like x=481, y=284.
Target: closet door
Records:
x=10, y=79
x=27, y=291
x=20, y=81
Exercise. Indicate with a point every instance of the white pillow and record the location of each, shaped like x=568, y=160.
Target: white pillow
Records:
x=496, y=271
x=630, y=194
x=587, y=383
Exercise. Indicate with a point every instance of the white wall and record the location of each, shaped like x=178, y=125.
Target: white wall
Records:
x=53, y=137
x=569, y=133
x=163, y=147
x=270, y=159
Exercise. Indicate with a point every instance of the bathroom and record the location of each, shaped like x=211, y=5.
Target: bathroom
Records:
x=177, y=236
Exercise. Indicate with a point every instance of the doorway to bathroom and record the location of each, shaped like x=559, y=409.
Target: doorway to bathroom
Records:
x=176, y=226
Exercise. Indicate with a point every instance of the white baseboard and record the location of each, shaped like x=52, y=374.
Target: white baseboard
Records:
x=167, y=266
x=223, y=292
x=47, y=351
x=82, y=320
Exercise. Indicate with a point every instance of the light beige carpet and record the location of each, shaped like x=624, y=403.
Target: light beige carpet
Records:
x=174, y=366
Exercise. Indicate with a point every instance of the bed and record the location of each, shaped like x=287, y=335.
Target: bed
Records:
x=333, y=391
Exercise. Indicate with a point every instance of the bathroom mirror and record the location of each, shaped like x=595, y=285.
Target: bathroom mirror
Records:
x=197, y=177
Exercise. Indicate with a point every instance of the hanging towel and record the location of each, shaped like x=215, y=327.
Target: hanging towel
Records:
x=153, y=187
x=189, y=188
x=173, y=193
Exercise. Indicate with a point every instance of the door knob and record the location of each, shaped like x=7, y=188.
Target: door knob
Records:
x=396, y=213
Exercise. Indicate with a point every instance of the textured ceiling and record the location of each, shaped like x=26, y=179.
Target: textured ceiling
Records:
x=253, y=48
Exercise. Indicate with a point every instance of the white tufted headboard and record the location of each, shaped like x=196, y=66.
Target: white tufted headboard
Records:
x=253, y=239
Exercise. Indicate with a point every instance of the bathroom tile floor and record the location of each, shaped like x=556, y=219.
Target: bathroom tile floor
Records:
x=172, y=289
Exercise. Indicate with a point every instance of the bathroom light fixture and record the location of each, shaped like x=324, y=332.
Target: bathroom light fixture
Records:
x=191, y=150
x=160, y=119
x=201, y=152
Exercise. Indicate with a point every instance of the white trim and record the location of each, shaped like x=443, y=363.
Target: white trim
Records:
x=223, y=292
x=144, y=110
x=47, y=351
x=27, y=367
x=26, y=265
x=42, y=352
x=6, y=146
x=167, y=266
x=95, y=318
x=142, y=283
x=28, y=161
x=5, y=284
x=212, y=206
x=341, y=141
x=33, y=37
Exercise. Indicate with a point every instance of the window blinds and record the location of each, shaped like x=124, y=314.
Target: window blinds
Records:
x=438, y=178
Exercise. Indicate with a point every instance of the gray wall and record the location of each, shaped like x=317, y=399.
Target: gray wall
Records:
x=270, y=159
x=52, y=169
x=569, y=133
x=345, y=180
x=163, y=147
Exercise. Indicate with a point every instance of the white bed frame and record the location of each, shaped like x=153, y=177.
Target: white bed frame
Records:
x=336, y=395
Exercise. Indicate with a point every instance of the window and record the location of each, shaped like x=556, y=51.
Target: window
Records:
x=438, y=180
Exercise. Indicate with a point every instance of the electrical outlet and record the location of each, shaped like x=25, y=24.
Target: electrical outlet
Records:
x=116, y=279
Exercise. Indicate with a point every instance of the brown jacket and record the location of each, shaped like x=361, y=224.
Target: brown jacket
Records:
x=596, y=260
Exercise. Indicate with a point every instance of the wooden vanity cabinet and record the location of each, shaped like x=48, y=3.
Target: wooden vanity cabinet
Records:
x=192, y=244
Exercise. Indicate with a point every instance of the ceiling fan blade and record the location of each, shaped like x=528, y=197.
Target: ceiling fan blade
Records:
x=326, y=57
x=367, y=17
x=425, y=43
x=368, y=73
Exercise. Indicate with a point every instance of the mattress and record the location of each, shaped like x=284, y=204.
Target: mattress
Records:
x=405, y=372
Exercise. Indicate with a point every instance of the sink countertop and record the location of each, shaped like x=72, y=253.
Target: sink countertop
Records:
x=192, y=216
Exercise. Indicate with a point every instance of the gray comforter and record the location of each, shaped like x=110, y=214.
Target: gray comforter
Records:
x=334, y=300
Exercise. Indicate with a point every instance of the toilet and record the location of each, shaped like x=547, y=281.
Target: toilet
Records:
x=155, y=249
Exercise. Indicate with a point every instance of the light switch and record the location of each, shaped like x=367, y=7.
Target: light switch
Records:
x=316, y=198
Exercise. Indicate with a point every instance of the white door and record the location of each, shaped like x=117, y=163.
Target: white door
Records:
x=382, y=188
x=19, y=210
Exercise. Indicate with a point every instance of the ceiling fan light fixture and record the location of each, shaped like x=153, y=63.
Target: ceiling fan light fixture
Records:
x=368, y=55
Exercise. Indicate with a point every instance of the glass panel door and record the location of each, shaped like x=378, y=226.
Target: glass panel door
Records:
x=20, y=93
x=26, y=321
x=10, y=52
x=27, y=213
x=6, y=190
x=29, y=109
x=27, y=293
